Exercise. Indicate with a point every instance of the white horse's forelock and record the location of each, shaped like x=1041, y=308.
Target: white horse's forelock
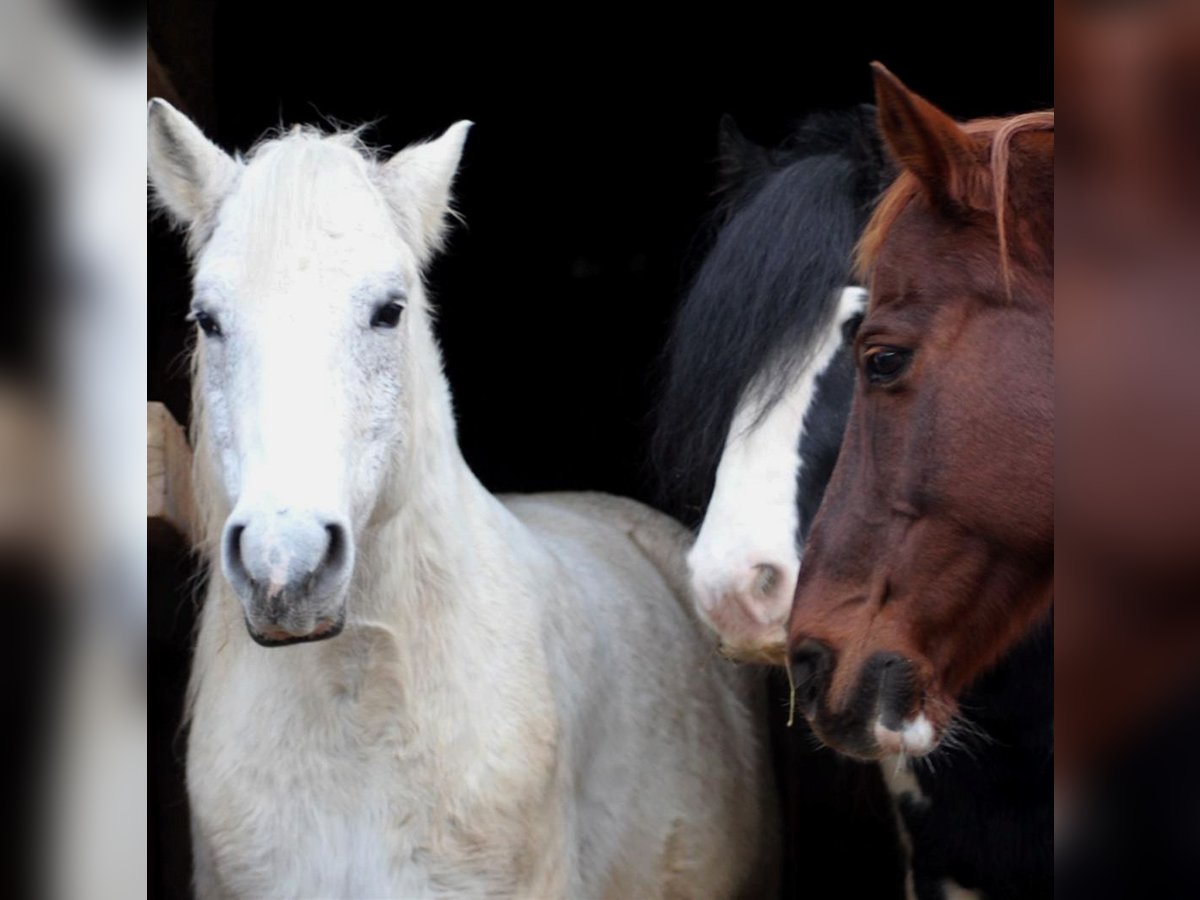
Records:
x=291, y=183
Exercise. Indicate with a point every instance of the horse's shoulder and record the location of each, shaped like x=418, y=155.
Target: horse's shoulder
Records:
x=644, y=525
x=660, y=538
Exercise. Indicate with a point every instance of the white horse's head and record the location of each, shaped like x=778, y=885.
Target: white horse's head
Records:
x=312, y=318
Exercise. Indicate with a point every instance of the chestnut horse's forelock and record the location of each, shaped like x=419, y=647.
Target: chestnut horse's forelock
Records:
x=1000, y=133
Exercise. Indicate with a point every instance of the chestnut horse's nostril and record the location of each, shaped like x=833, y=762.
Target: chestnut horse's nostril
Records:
x=895, y=688
x=811, y=664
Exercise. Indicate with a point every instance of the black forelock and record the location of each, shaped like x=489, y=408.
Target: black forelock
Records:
x=767, y=288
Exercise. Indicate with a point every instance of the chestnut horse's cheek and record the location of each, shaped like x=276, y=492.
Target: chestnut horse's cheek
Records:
x=982, y=424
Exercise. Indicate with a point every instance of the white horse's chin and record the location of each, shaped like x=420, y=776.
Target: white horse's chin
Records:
x=270, y=634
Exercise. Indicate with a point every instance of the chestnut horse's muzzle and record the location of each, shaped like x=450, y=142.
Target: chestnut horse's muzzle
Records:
x=881, y=701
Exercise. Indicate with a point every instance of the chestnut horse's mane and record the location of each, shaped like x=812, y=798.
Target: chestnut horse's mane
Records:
x=897, y=197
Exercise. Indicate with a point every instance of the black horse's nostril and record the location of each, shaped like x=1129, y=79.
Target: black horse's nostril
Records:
x=811, y=664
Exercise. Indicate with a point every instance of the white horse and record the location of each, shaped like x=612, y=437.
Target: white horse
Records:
x=475, y=697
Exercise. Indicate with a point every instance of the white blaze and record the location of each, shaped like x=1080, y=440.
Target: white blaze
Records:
x=752, y=519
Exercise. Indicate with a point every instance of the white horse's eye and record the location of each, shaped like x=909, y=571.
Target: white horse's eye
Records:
x=388, y=315
x=207, y=321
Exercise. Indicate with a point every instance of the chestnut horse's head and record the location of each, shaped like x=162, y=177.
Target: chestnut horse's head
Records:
x=933, y=549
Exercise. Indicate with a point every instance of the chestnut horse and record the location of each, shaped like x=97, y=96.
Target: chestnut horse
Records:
x=932, y=555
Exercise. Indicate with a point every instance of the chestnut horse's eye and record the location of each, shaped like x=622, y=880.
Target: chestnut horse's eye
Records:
x=207, y=322
x=885, y=364
x=388, y=315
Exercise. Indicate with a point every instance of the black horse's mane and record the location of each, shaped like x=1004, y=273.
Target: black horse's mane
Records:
x=784, y=228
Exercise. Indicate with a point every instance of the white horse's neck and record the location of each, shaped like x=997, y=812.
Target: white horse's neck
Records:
x=436, y=530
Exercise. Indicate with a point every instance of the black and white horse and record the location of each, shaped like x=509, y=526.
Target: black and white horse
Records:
x=757, y=387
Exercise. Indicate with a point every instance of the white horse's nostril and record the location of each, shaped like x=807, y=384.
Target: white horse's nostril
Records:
x=232, y=555
x=335, y=552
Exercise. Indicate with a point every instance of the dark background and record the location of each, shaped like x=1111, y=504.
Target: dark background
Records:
x=584, y=183
x=584, y=187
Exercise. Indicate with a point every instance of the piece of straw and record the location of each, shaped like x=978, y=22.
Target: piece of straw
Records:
x=791, y=696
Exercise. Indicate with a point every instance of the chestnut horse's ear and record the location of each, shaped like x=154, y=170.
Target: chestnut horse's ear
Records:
x=931, y=145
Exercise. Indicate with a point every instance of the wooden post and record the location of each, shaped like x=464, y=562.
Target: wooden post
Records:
x=169, y=502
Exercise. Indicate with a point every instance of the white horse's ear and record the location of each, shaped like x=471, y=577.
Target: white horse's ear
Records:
x=190, y=173
x=417, y=181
